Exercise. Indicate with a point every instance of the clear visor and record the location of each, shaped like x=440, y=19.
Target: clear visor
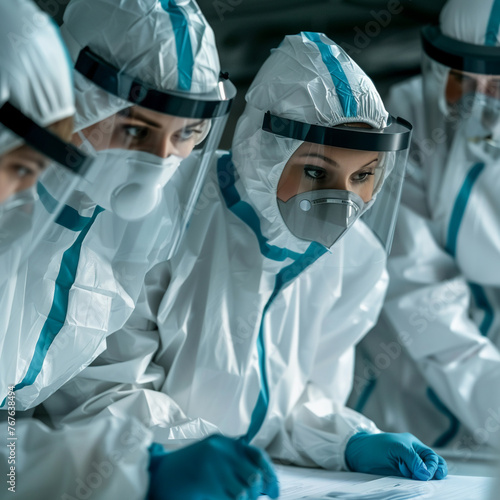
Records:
x=325, y=188
x=27, y=210
x=149, y=164
x=137, y=152
x=463, y=102
x=461, y=87
x=159, y=137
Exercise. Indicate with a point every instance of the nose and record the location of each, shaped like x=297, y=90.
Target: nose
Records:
x=341, y=183
x=165, y=147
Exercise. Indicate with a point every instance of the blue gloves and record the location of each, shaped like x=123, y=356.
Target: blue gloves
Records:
x=390, y=454
x=217, y=468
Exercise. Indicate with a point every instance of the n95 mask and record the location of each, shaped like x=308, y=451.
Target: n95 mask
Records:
x=129, y=183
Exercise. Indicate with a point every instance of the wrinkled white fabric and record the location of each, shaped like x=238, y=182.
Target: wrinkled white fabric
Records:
x=432, y=365
x=459, y=20
x=34, y=71
x=86, y=276
x=105, y=459
x=187, y=361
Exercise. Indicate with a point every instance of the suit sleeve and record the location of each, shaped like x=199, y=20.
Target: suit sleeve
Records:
x=124, y=381
x=104, y=459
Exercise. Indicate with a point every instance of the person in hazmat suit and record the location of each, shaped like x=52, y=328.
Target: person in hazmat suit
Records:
x=432, y=365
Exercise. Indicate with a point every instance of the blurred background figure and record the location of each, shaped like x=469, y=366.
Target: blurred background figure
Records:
x=36, y=121
x=432, y=365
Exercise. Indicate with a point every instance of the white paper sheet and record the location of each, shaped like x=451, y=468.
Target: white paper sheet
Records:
x=300, y=482
x=452, y=488
x=314, y=484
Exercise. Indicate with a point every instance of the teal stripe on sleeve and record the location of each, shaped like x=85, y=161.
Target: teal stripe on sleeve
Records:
x=483, y=303
x=451, y=243
x=59, y=309
x=69, y=217
x=452, y=431
x=458, y=211
x=365, y=395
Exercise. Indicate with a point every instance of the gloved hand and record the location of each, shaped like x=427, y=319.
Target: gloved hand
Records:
x=217, y=468
x=391, y=454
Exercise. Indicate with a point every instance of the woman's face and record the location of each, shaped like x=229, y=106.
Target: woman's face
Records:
x=142, y=129
x=19, y=170
x=461, y=83
x=21, y=167
x=315, y=166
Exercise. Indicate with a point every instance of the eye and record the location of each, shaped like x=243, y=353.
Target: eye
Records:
x=136, y=132
x=493, y=87
x=314, y=173
x=23, y=171
x=362, y=176
x=188, y=133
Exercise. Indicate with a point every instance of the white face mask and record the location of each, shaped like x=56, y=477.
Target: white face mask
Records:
x=127, y=182
x=25, y=197
x=16, y=214
x=16, y=221
x=483, y=122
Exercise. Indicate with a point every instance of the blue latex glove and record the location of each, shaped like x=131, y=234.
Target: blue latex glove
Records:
x=390, y=454
x=217, y=468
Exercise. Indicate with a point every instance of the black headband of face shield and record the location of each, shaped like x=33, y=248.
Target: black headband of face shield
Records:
x=480, y=59
x=394, y=137
x=43, y=140
x=126, y=87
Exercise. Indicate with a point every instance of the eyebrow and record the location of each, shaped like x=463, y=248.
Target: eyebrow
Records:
x=321, y=157
x=331, y=160
x=137, y=116
x=195, y=124
x=41, y=161
x=190, y=126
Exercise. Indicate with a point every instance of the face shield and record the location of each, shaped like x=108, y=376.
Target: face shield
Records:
x=461, y=88
x=340, y=174
x=23, y=219
x=141, y=148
